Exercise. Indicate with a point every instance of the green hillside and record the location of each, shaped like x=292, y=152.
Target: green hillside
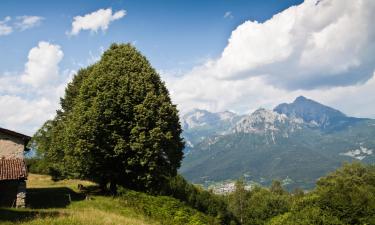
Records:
x=48, y=203
x=301, y=157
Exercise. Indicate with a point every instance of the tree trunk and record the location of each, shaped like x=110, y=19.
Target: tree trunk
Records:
x=103, y=186
x=113, y=188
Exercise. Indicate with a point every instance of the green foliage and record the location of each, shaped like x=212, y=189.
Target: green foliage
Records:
x=48, y=204
x=166, y=209
x=263, y=205
x=202, y=200
x=277, y=188
x=346, y=196
x=349, y=193
x=47, y=141
x=117, y=125
x=238, y=200
x=130, y=208
x=36, y=165
x=307, y=216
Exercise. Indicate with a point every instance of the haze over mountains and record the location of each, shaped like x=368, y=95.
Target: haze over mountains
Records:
x=296, y=143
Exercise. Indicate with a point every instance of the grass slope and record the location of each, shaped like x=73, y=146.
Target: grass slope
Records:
x=49, y=203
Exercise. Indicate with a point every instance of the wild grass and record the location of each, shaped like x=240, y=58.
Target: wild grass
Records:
x=45, y=181
x=62, y=203
x=98, y=211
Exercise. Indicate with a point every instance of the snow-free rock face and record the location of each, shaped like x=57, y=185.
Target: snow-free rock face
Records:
x=264, y=121
x=316, y=114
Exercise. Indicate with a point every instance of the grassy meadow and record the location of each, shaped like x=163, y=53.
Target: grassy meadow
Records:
x=61, y=202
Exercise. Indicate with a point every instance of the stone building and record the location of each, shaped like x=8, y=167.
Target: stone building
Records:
x=13, y=171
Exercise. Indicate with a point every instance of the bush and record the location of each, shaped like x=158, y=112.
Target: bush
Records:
x=307, y=216
x=200, y=199
x=264, y=205
x=37, y=166
x=164, y=208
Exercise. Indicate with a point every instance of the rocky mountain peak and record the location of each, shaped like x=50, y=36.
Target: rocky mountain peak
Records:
x=263, y=121
x=311, y=112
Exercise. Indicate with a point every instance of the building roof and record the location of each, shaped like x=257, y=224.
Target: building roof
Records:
x=12, y=169
x=15, y=134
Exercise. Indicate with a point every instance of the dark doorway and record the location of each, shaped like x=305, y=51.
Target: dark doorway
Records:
x=8, y=193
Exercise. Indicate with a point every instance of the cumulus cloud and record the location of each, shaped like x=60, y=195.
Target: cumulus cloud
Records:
x=27, y=22
x=24, y=115
x=319, y=50
x=5, y=28
x=29, y=98
x=96, y=20
x=42, y=66
x=306, y=46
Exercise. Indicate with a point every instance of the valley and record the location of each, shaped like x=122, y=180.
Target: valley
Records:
x=295, y=143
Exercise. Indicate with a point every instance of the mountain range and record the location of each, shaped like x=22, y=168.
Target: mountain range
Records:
x=296, y=143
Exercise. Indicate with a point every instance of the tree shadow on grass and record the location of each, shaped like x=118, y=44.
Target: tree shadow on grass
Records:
x=19, y=215
x=56, y=197
x=39, y=199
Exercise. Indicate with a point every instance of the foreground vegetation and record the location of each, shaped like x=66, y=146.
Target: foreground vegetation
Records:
x=346, y=196
x=49, y=204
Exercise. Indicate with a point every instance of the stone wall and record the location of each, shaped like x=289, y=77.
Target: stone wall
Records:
x=11, y=147
x=12, y=191
x=21, y=195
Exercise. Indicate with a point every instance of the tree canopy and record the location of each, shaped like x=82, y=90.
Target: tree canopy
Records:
x=116, y=125
x=345, y=196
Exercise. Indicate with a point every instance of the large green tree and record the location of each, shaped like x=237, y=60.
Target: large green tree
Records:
x=117, y=124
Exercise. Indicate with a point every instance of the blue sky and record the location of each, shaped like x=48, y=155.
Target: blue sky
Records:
x=172, y=34
x=217, y=55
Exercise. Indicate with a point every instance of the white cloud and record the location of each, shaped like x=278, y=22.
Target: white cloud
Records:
x=28, y=99
x=308, y=46
x=21, y=23
x=25, y=115
x=27, y=22
x=42, y=66
x=228, y=15
x=8, y=84
x=246, y=95
x=5, y=29
x=324, y=51
x=96, y=20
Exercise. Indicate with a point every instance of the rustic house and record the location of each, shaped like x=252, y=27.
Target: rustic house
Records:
x=13, y=172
